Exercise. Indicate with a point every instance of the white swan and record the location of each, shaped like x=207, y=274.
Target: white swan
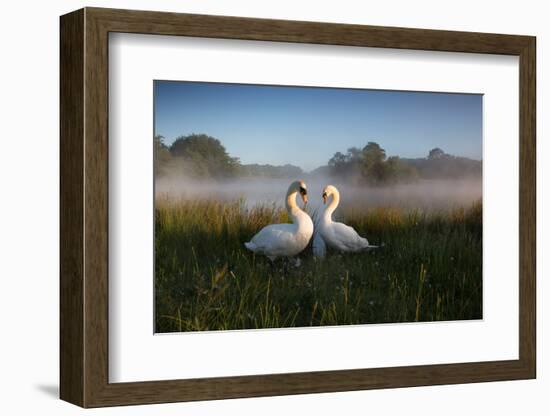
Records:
x=285, y=240
x=336, y=235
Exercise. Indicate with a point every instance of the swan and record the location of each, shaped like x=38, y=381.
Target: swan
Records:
x=285, y=240
x=336, y=235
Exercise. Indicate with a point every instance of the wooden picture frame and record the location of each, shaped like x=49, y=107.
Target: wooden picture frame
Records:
x=84, y=207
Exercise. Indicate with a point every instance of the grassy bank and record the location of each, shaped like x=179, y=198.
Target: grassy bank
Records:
x=429, y=269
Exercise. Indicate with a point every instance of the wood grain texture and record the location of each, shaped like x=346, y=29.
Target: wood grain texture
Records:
x=162, y=23
x=527, y=208
x=71, y=186
x=84, y=207
x=96, y=208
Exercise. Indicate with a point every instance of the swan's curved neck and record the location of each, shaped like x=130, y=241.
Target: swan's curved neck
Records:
x=292, y=207
x=332, y=206
x=291, y=204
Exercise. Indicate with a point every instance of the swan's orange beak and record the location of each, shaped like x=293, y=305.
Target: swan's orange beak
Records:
x=324, y=197
x=304, y=198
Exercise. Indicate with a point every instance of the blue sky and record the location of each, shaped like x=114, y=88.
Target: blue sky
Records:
x=306, y=126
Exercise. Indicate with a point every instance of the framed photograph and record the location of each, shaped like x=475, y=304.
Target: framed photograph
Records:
x=255, y=207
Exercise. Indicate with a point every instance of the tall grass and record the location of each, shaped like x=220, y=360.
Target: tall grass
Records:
x=429, y=269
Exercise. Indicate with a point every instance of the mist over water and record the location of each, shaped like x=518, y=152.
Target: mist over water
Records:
x=422, y=194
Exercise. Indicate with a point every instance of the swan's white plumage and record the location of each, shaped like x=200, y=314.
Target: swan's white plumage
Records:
x=285, y=240
x=336, y=235
x=278, y=240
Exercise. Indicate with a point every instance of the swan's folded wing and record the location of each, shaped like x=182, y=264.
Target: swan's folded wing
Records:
x=275, y=239
x=347, y=238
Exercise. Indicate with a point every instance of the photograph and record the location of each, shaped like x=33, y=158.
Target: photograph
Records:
x=283, y=206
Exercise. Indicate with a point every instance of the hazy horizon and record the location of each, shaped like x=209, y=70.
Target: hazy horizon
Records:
x=305, y=126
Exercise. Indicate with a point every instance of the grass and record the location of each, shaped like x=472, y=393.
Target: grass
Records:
x=428, y=270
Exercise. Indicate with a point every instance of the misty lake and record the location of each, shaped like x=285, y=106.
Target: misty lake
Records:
x=423, y=194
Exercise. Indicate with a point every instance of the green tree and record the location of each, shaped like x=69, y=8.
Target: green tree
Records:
x=162, y=155
x=347, y=165
x=436, y=153
x=371, y=166
x=374, y=169
x=400, y=171
x=204, y=156
x=354, y=155
x=337, y=161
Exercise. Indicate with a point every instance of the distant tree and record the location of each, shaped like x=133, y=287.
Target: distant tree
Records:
x=373, y=153
x=347, y=165
x=374, y=169
x=338, y=160
x=441, y=165
x=436, y=153
x=162, y=155
x=371, y=166
x=354, y=154
x=399, y=171
x=204, y=156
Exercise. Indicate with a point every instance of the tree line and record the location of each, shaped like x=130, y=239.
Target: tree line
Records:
x=197, y=155
x=203, y=156
x=370, y=165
